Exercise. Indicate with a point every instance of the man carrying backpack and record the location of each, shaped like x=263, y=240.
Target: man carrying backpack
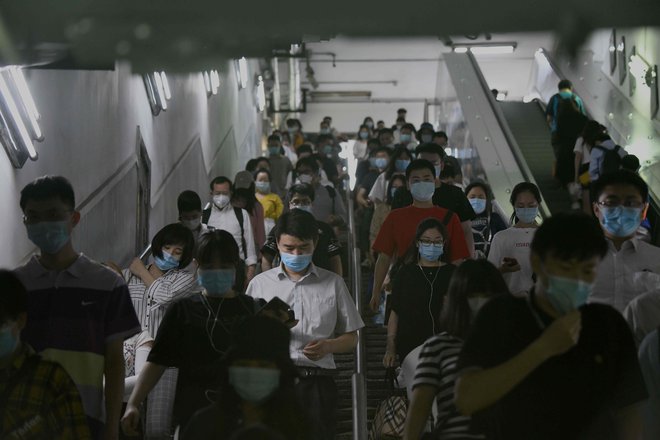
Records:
x=606, y=157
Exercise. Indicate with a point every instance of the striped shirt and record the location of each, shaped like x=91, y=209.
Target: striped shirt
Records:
x=152, y=302
x=72, y=315
x=437, y=368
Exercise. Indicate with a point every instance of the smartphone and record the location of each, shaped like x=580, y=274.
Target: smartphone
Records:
x=278, y=309
x=510, y=261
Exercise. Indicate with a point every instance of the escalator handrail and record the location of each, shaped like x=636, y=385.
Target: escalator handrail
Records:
x=508, y=134
x=358, y=380
x=145, y=253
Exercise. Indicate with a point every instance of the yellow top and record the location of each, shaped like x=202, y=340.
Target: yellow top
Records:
x=272, y=205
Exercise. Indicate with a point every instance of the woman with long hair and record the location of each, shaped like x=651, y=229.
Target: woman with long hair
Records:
x=399, y=161
x=419, y=285
x=256, y=386
x=244, y=197
x=510, y=248
x=474, y=282
x=487, y=222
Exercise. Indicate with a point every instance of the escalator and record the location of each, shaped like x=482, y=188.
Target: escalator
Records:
x=528, y=126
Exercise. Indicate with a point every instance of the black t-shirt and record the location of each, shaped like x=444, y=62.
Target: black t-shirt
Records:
x=484, y=228
x=418, y=310
x=570, y=396
x=362, y=169
x=327, y=247
x=446, y=196
x=330, y=168
x=369, y=179
x=183, y=341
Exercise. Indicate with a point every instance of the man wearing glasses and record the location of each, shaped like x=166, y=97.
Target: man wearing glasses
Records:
x=630, y=265
x=79, y=312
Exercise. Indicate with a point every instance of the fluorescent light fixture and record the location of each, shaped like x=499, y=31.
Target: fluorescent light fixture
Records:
x=160, y=91
x=17, y=120
x=242, y=73
x=26, y=99
x=166, y=86
x=207, y=82
x=215, y=81
x=486, y=48
x=261, y=94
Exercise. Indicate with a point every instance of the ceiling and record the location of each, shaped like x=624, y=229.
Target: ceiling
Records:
x=196, y=34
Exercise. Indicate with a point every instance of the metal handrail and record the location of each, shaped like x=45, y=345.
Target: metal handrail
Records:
x=359, y=387
x=145, y=253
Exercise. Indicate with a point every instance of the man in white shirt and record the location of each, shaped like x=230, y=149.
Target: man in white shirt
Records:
x=328, y=318
x=236, y=221
x=630, y=266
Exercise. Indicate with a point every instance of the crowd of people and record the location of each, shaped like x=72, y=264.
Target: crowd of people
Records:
x=504, y=328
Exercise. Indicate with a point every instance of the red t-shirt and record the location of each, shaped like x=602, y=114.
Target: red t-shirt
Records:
x=400, y=225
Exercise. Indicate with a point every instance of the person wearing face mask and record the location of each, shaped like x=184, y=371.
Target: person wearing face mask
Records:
x=244, y=197
x=487, y=222
x=257, y=387
x=386, y=138
x=425, y=133
x=327, y=206
x=71, y=294
x=360, y=151
x=271, y=202
x=328, y=317
x=280, y=166
x=222, y=215
x=294, y=131
x=39, y=399
x=472, y=285
x=189, y=206
x=419, y=285
x=400, y=160
x=396, y=129
x=549, y=365
x=629, y=275
x=194, y=334
x=381, y=210
x=328, y=156
x=327, y=253
x=154, y=288
x=509, y=249
x=398, y=230
x=407, y=137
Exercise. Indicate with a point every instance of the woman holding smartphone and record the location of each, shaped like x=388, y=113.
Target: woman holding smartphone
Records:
x=510, y=248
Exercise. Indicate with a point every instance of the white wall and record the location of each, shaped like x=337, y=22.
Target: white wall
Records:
x=91, y=121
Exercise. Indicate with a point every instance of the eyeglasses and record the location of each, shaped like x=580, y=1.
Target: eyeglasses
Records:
x=431, y=242
x=48, y=216
x=615, y=203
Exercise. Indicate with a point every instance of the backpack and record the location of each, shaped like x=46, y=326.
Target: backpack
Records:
x=206, y=215
x=611, y=159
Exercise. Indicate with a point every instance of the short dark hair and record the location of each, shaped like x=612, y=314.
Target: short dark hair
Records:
x=297, y=223
x=440, y=134
x=220, y=244
x=402, y=110
x=385, y=150
x=309, y=162
x=429, y=148
x=188, y=201
x=251, y=165
x=621, y=177
x=323, y=137
x=174, y=233
x=304, y=189
x=471, y=277
x=564, y=84
x=261, y=159
x=382, y=131
x=262, y=170
x=304, y=148
x=274, y=138
x=409, y=126
x=373, y=141
x=220, y=180
x=568, y=235
x=419, y=164
x=13, y=296
x=630, y=162
x=48, y=187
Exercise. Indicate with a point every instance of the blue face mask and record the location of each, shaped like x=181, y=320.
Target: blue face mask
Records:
x=327, y=149
x=527, y=215
x=621, y=221
x=566, y=94
x=422, y=191
x=431, y=252
x=306, y=208
x=50, y=237
x=405, y=138
x=324, y=131
x=8, y=342
x=566, y=294
x=364, y=135
x=369, y=124
x=216, y=282
x=274, y=151
x=380, y=163
x=393, y=191
x=262, y=187
x=479, y=205
x=401, y=165
x=296, y=263
x=254, y=385
x=426, y=138
x=167, y=262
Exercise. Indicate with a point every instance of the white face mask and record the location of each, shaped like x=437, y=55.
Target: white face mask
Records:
x=221, y=200
x=305, y=178
x=192, y=224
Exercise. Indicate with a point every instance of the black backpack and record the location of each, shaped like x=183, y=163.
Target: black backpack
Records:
x=611, y=159
x=206, y=215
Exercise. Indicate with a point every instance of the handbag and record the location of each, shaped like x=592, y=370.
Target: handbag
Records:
x=390, y=417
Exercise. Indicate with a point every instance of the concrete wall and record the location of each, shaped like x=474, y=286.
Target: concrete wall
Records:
x=93, y=122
